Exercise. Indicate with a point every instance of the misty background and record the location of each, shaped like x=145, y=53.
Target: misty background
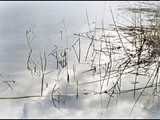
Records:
x=48, y=17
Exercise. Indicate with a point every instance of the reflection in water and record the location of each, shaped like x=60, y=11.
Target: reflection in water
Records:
x=62, y=60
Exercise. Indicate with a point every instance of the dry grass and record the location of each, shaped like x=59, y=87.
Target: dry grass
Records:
x=132, y=50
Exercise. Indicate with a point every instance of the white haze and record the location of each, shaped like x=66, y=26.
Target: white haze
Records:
x=15, y=18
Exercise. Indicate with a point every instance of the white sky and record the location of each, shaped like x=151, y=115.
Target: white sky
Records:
x=15, y=18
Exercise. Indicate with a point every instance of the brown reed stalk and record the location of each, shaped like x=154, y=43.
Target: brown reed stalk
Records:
x=77, y=89
x=79, y=59
x=42, y=70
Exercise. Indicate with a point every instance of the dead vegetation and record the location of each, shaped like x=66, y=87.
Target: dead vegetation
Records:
x=113, y=54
